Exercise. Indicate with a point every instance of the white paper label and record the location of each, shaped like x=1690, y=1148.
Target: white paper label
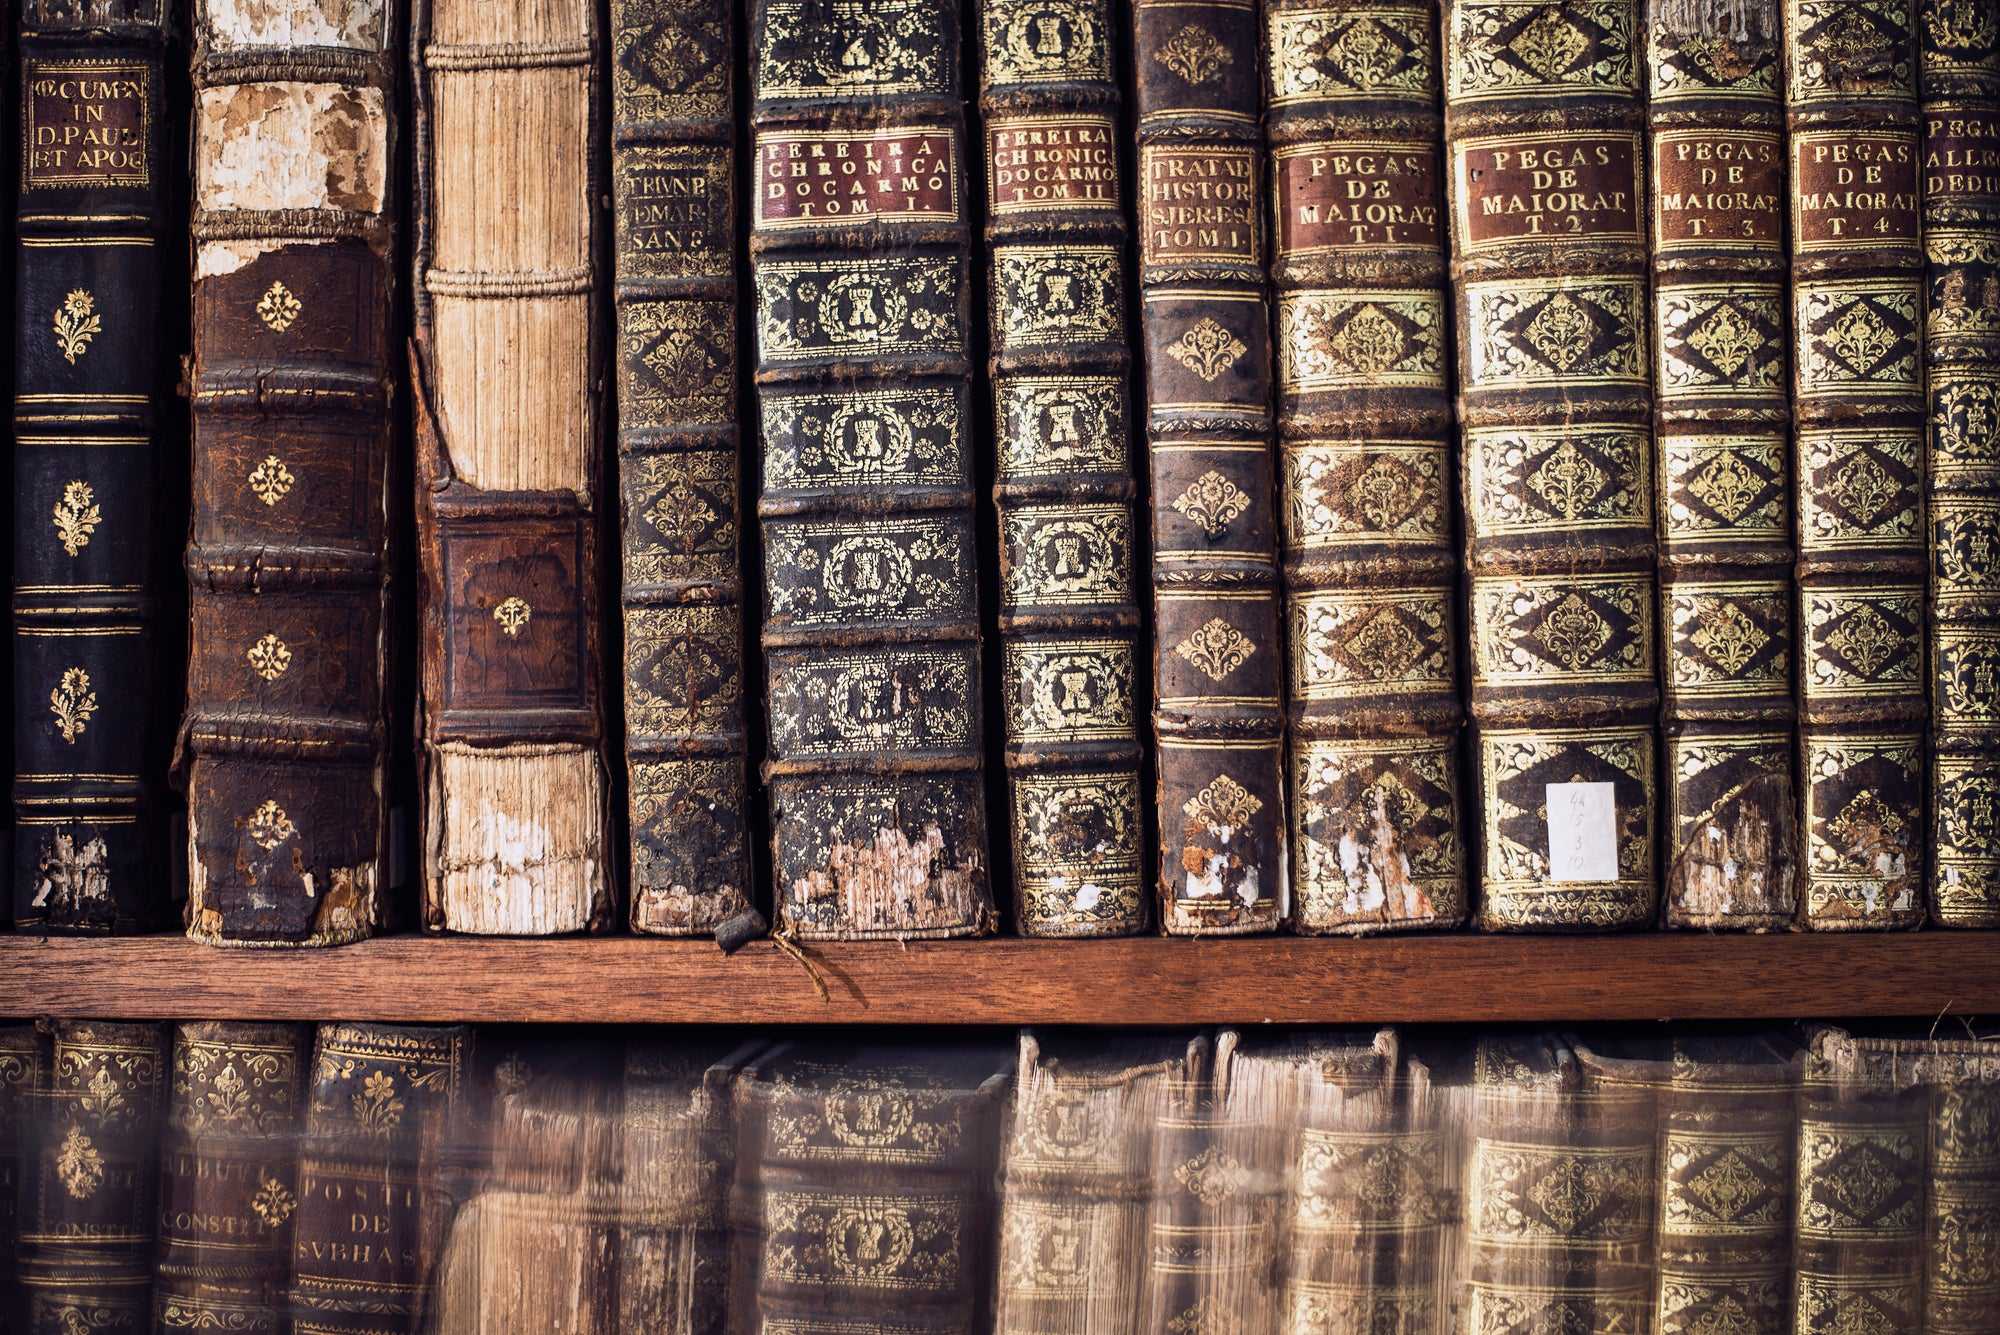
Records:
x=1583, y=831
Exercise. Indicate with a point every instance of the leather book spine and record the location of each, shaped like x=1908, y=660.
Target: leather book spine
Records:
x=24, y=1059
x=91, y=1178
x=1959, y=78
x=1857, y=302
x=673, y=189
x=1544, y=144
x=283, y=746
x=509, y=397
x=88, y=370
x=1218, y=716
x=860, y=257
x=1060, y=359
x=383, y=1110
x=1721, y=454
x=1364, y=425
x=228, y=1176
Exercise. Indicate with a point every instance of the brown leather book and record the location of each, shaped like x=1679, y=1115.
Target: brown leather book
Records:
x=1218, y=719
x=1544, y=140
x=229, y=1176
x=1721, y=413
x=23, y=1057
x=1364, y=424
x=1060, y=361
x=673, y=192
x=283, y=747
x=1959, y=78
x=509, y=392
x=860, y=255
x=1857, y=303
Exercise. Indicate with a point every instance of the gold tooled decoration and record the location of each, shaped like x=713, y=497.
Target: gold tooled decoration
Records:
x=1384, y=645
x=270, y=826
x=377, y=1110
x=1961, y=25
x=1550, y=44
x=1568, y=1194
x=1212, y=1176
x=1860, y=337
x=101, y=1096
x=1369, y=341
x=278, y=308
x=77, y=516
x=72, y=702
x=1207, y=349
x=679, y=358
x=1217, y=649
x=1568, y=481
x=1864, y=488
x=1865, y=822
x=1386, y=492
x=1212, y=502
x=1366, y=55
x=1866, y=640
x=228, y=1099
x=1223, y=807
x=1727, y=486
x=1194, y=54
x=79, y=1166
x=269, y=657
x=77, y=322
x=270, y=480
x=273, y=1204
x=1726, y=339
x=680, y=514
x=1730, y=638
x=1561, y=332
x=1574, y=632
x=1725, y=1186
x=513, y=614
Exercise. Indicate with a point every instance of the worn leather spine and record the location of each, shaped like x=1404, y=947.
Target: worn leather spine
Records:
x=673, y=188
x=1543, y=134
x=87, y=374
x=1364, y=423
x=384, y=1116
x=229, y=1176
x=860, y=253
x=23, y=1057
x=1721, y=455
x=1060, y=361
x=91, y=1178
x=1959, y=79
x=283, y=745
x=1857, y=303
x=1218, y=716
x=509, y=387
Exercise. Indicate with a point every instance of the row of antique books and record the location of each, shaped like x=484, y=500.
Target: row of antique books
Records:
x=265, y=1177
x=1622, y=380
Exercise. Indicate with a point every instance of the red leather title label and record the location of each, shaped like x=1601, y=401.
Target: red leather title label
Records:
x=1051, y=162
x=1962, y=158
x=86, y=124
x=811, y=178
x=1198, y=204
x=1718, y=188
x=1853, y=189
x=1581, y=186
x=1355, y=194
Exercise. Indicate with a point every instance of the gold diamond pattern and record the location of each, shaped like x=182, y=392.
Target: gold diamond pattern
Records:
x=1730, y=638
x=1561, y=331
x=1370, y=341
x=1384, y=646
x=1573, y=632
x=1864, y=488
x=1860, y=337
x=1866, y=640
x=1216, y=649
x=1726, y=338
x=1366, y=54
x=1568, y=1194
x=680, y=514
x=1727, y=486
x=1568, y=481
x=1726, y=1185
x=1550, y=44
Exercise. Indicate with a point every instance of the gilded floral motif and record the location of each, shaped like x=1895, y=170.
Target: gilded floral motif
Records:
x=1216, y=649
x=278, y=308
x=72, y=702
x=77, y=323
x=269, y=657
x=270, y=826
x=1729, y=637
x=1549, y=44
x=273, y=1204
x=1207, y=349
x=1574, y=632
x=377, y=1109
x=1561, y=331
x=513, y=614
x=1224, y=807
x=1212, y=1176
x=79, y=1165
x=1194, y=54
x=1568, y=481
x=77, y=516
x=270, y=480
x=1727, y=339
x=1727, y=486
x=1212, y=502
x=1866, y=640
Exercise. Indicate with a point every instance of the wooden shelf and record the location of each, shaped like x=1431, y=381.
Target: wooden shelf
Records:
x=1147, y=981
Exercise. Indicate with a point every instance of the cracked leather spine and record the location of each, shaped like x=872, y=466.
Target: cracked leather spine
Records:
x=1364, y=426
x=87, y=375
x=860, y=258
x=673, y=186
x=1056, y=240
x=1721, y=414
x=283, y=746
x=1857, y=326
x=1218, y=716
x=1544, y=137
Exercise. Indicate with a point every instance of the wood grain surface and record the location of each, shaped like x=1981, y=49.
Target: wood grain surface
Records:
x=1145, y=981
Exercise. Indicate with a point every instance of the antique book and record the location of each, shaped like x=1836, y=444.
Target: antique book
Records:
x=1364, y=424
x=228, y=1176
x=673, y=187
x=860, y=253
x=88, y=370
x=1218, y=718
x=283, y=749
x=1857, y=301
x=863, y=1197
x=1543, y=127
x=1721, y=410
x=1959, y=79
x=509, y=401
x=90, y=1180
x=1076, y=1168
x=1060, y=359
x=384, y=1116
x=23, y=1059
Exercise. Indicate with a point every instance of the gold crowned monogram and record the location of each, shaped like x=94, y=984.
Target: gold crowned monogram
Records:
x=273, y=1204
x=1194, y=54
x=72, y=702
x=1212, y=502
x=1207, y=349
x=278, y=308
x=1212, y=1176
x=1560, y=331
x=1726, y=338
x=377, y=1110
x=269, y=657
x=1550, y=44
x=77, y=516
x=1573, y=632
x=1568, y=481
x=1217, y=649
x=1961, y=25
x=1224, y=806
x=1727, y=486
x=77, y=322
x=79, y=1166
x=513, y=614
x=270, y=826
x=1860, y=337
x=270, y=480
x=1730, y=638
x=1866, y=640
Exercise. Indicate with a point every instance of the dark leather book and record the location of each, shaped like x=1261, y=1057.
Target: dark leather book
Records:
x=1218, y=718
x=1364, y=424
x=283, y=746
x=1721, y=413
x=88, y=369
x=384, y=1120
x=1544, y=136
x=1857, y=305
x=510, y=432
x=23, y=1058
x=229, y=1176
x=863, y=1197
x=673, y=188
x=1060, y=359
x=1959, y=80
x=90, y=1180
x=860, y=253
